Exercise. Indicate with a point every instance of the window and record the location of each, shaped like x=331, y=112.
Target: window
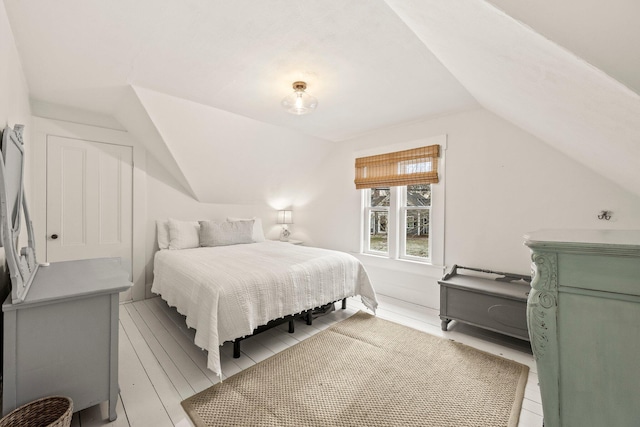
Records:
x=397, y=190
x=377, y=214
x=415, y=211
x=398, y=221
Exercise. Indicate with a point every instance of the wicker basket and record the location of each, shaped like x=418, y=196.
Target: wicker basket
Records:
x=53, y=411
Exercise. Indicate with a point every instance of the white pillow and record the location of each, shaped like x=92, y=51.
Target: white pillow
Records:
x=183, y=234
x=163, y=233
x=225, y=233
x=258, y=234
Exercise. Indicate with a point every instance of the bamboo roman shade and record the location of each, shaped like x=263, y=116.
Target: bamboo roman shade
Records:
x=415, y=166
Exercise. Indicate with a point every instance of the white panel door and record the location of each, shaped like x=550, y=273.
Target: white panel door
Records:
x=89, y=200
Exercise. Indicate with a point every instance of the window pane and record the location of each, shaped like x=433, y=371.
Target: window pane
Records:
x=378, y=233
x=415, y=166
x=419, y=195
x=380, y=197
x=417, y=232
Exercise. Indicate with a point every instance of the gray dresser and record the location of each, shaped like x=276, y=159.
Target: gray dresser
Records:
x=63, y=338
x=60, y=321
x=584, y=320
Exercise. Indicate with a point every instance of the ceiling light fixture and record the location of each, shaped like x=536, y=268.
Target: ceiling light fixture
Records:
x=299, y=102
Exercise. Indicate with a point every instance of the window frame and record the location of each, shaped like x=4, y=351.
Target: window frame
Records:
x=402, y=228
x=368, y=210
x=436, y=213
x=396, y=225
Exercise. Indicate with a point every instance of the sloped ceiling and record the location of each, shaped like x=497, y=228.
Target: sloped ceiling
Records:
x=603, y=33
x=566, y=73
x=223, y=156
x=536, y=84
x=135, y=117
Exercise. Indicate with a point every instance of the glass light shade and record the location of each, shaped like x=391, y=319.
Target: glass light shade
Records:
x=285, y=217
x=299, y=102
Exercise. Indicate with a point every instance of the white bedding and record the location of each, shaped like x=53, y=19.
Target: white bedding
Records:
x=226, y=292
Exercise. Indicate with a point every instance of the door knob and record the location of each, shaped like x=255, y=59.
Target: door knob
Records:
x=54, y=236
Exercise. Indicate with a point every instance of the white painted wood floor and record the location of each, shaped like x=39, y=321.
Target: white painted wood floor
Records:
x=160, y=366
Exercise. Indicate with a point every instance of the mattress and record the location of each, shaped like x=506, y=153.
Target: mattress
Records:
x=226, y=292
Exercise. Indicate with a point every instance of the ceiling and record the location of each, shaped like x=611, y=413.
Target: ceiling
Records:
x=363, y=64
x=567, y=72
x=603, y=33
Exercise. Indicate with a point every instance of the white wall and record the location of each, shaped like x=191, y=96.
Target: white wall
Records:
x=165, y=200
x=14, y=93
x=281, y=185
x=157, y=195
x=14, y=101
x=500, y=183
x=47, y=110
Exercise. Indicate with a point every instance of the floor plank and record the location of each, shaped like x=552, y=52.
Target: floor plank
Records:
x=529, y=419
x=98, y=415
x=178, y=355
x=197, y=355
x=140, y=396
x=229, y=365
x=148, y=346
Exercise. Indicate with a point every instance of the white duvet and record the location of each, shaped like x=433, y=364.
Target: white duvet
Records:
x=225, y=292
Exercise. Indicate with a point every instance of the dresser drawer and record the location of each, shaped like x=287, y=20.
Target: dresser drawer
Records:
x=600, y=273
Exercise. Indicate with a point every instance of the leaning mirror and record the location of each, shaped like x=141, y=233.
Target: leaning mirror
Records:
x=22, y=263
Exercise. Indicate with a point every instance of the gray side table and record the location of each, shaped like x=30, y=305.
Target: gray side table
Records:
x=63, y=339
x=498, y=304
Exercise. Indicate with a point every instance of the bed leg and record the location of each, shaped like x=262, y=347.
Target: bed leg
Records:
x=310, y=317
x=236, y=349
x=344, y=303
x=291, y=327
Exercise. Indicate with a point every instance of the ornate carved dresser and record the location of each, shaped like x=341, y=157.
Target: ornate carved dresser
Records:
x=584, y=321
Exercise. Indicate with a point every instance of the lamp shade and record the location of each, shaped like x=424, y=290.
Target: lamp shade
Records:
x=285, y=217
x=299, y=102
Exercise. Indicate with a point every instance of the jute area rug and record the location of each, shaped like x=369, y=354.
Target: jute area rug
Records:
x=366, y=371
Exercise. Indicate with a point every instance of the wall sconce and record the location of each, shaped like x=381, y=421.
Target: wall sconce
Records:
x=299, y=102
x=284, y=218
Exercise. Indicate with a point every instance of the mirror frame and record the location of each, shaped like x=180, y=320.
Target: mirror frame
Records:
x=22, y=264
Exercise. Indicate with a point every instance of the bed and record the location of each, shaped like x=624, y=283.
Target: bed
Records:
x=227, y=292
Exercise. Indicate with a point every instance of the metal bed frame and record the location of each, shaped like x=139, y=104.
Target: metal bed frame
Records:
x=307, y=315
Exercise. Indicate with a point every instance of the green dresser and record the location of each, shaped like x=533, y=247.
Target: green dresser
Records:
x=583, y=315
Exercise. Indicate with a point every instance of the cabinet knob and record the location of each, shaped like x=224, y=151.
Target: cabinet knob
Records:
x=54, y=236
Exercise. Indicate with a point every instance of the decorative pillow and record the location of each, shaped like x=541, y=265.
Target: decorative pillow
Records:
x=183, y=234
x=225, y=233
x=258, y=234
x=163, y=233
